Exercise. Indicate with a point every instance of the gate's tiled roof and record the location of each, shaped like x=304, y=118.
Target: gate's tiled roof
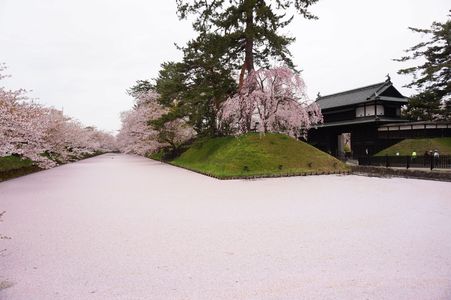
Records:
x=356, y=96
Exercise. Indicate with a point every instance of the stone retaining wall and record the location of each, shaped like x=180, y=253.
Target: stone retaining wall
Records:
x=389, y=172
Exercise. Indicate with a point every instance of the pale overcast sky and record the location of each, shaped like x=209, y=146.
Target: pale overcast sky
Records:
x=81, y=55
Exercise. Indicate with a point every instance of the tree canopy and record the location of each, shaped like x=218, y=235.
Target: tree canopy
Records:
x=247, y=32
x=271, y=100
x=424, y=106
x=194, y=88
x=432, y=77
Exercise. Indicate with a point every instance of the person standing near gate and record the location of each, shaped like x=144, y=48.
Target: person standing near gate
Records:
x=414, y=156
x=436, y=154
x=436, y=157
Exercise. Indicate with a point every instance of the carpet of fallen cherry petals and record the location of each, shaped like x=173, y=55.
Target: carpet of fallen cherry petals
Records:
x=124, y=227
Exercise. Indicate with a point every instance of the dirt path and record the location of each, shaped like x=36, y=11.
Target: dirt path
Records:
x=123, y=227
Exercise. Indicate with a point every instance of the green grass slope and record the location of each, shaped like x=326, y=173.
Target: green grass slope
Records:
x=9, y=163
x=14, y=166
x=256, y=155
x=406, y=147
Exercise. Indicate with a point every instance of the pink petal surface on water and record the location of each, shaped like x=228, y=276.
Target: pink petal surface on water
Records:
x=124, y=227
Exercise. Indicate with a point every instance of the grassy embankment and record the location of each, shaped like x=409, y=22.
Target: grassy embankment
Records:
x=14, y=166
x=406, y=147
x=256, y=155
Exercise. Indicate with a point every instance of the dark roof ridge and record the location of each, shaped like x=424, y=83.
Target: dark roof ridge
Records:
x=381, y=84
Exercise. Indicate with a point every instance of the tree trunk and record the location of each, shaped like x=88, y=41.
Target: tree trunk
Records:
x=249, y=58
x=249, y=46
x=243, y=71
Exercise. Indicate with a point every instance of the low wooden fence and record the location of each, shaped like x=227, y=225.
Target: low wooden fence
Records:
x=442, y=162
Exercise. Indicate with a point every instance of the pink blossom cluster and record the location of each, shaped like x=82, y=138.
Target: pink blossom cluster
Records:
x=139, y=137
x=271, y=100
x=44, y=134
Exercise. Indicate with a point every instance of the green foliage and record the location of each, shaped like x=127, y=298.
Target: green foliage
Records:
x=255, y=154
x=13, y=162
x=195, y=89
x=425, y=106
x=171, y=83
x=14, y=166
x=209, y=83
x=247, y=31
x=433, y=76
x=420, y=146
x=141, y=86
x=160, y=155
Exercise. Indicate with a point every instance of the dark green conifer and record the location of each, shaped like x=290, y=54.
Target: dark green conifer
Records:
x=247, y=31
x=432, y=78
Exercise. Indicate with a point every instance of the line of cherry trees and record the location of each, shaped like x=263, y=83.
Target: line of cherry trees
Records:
x=42, y=134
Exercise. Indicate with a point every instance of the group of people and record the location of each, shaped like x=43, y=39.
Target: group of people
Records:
x=429, y=153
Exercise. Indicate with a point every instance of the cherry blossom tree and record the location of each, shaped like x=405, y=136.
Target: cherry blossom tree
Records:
x=22, y=126
x=105, y=141
x=175, y=133
x=139, y=136
x=271, y=100
x=136, y=135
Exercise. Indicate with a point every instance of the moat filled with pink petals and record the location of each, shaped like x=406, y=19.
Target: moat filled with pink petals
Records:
x=125, y=227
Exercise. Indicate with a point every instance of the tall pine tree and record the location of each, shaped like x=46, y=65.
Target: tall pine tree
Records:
x=432, y=78
x=247, y=31
x=196, y=87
